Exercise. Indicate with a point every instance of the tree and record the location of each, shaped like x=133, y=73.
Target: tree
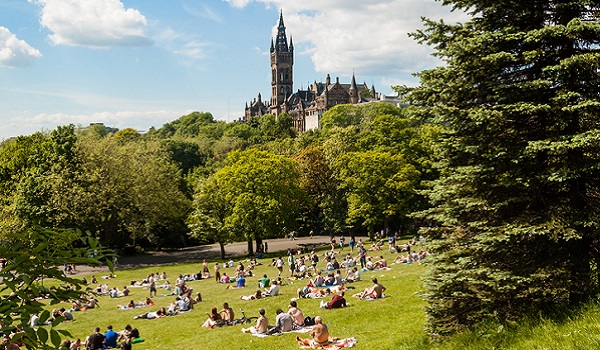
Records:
x=260, y=194
x=32, y=257
x=208, y=219
x=378, y=186
x=126, y=193
x=326, y=207
x=516, y=208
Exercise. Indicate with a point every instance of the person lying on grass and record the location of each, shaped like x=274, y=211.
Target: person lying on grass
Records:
x=337, y=301
x=162, y=312
x=313, y=293
x=257, y=295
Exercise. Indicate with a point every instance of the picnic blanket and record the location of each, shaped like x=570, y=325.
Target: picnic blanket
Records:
x=335, y=345
x=304, y=329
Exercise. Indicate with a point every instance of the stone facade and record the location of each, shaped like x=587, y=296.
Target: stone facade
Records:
x=304, y=106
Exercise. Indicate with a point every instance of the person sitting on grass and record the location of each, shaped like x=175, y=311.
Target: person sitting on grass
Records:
x=240, y=282
x=352, y=276
x=262, y=324
x=337, y=301
x=264, y=282
x=381, y=262
x=296, y=313
x=110, y=337
x=257, y=295
x=283, y=323
x=128, y=332
x=92, y=303
x=227, y=314
x=214, y=319
x=319, y=334
x=373, y=292
x=318, y=281
x=273, y=290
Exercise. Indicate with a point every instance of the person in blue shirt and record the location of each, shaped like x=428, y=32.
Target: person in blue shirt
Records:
x=110, y=338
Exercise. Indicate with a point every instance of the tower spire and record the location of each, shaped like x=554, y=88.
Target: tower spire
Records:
x=281, y=43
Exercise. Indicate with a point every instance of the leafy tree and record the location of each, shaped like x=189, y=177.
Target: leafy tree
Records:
x=32, y=257
x=185, y=126
x=185, y=153
x=261, y=195
x=516, y=208
x=347, y=114
x=127, y=135
x=379, y=187
x=207, y=221
x=325, y=209
x=124, y=193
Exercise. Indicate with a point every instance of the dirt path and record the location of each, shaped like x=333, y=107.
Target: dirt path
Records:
x=196, y=254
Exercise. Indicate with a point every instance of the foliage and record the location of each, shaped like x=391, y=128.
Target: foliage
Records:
x=347, y=114
x=185, y=126
x=516, y=206
x=127, y=193
x=256, y=196
x=32, y=258
x=379, y=187
x=325, y=209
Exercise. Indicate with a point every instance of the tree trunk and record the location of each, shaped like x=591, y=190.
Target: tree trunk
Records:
x=250, y=247
x=259, y=244
x=222, y=245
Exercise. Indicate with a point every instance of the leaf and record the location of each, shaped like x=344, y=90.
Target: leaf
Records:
x=42, y=334
x=55, y=338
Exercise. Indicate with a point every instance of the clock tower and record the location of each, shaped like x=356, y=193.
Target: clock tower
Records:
x=282, y=61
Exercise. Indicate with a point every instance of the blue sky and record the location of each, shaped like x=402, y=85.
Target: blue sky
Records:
x=142, y=63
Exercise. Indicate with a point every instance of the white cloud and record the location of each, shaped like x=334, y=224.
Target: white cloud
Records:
x=97, y=24
x=193, y=49
x=238, y=3
x=206, y=12
x=15, y=52
x=369, y=37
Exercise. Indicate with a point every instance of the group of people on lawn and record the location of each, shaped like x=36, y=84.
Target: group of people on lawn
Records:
x=328, y=283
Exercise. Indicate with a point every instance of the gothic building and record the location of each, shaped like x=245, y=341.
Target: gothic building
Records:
x=304, y=106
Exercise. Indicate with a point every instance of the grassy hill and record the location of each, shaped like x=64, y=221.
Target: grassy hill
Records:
x=395, y=322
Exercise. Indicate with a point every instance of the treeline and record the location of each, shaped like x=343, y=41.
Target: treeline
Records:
x=197, y=179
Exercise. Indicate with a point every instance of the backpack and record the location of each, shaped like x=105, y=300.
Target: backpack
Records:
x=309, y=321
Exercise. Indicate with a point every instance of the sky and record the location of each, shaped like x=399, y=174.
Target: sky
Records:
x=143, y=63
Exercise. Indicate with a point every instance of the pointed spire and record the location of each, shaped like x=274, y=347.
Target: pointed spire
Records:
x=272, y=45
x=353, y=91
x=281, y=43
x=291, y=44
x=353, y=83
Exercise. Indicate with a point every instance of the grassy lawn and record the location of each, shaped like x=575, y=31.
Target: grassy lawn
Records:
x=390, y=323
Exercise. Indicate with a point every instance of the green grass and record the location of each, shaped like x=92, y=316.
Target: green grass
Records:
x=395, y=322
x=380, y=324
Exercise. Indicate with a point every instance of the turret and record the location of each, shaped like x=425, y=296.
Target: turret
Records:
x=353, y=91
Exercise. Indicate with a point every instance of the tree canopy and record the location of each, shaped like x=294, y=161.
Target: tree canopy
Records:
x=515, y=209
